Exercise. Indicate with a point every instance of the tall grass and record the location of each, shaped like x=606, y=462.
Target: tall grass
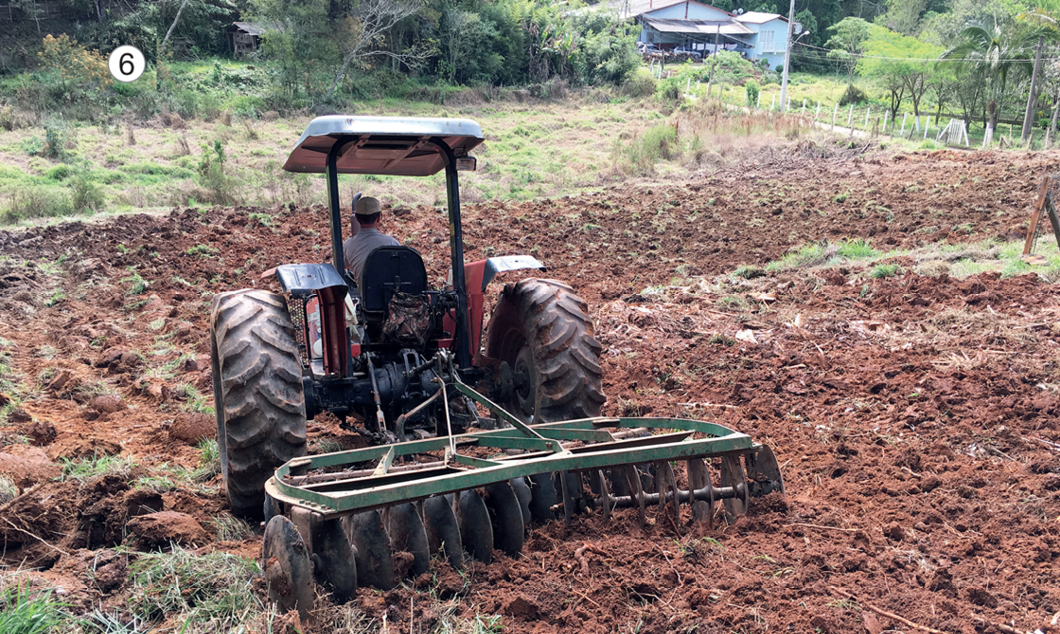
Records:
x=24, y=613
x=215, y=588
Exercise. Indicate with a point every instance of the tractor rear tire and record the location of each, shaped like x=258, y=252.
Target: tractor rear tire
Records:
x=258, y=394
x=542, y=330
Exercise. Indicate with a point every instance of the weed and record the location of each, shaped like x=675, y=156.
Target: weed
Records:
x=202, y=250
x=88, y=468
x=8, y=489
x=881, y=271
x=265, y=220
x=209, y=461
x=194, y=401
x=720, y=339
x=327, y=445
x=856, y=249
x=229, y=528
x=213, y=587
x=23, y=613
x=57, y=297
x=749, y=272
x=137, y=284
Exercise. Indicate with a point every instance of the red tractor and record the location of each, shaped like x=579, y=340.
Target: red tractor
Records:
x=369, y=348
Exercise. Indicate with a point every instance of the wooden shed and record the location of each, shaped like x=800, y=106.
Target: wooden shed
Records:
x=244, y=38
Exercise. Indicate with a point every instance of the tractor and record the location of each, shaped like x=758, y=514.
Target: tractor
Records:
x=479, y=431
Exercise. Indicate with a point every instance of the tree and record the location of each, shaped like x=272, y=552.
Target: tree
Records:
x=362, y=34
x=989, y=54
x=903, y=16
x=848, y=42
x=898, y=63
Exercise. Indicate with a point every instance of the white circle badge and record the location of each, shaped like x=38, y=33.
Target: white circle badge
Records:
x=127, y=63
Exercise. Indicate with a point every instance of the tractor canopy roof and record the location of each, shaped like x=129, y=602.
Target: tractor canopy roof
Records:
x=398, y=146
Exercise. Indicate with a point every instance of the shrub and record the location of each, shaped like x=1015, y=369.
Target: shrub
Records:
x=219, y=186
x=779, y=68
x=657, y=142
x=752, y=90
x=36, y=202
x=638, y=85
x=87, y=195
x=7, y=117
x=853, y=95
x=55, y=138
x=58, y=173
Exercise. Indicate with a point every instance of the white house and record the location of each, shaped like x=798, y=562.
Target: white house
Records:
x=671, y=23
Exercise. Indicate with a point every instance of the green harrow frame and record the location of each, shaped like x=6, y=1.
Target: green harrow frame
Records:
x=341, y=517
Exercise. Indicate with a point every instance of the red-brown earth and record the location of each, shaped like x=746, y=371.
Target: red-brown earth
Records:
x=914, y=417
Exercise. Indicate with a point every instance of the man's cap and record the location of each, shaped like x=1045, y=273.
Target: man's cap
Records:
x=367, y=206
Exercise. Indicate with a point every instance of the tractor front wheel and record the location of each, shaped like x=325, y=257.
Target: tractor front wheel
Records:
x=542, y=331
x=258, y=395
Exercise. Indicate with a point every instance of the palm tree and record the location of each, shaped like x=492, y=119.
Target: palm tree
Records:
x=991, y=54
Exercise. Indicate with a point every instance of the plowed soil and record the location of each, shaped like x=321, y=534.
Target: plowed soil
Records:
x=915, y=418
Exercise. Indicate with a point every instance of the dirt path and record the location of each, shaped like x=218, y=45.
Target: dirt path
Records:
x=915, y=417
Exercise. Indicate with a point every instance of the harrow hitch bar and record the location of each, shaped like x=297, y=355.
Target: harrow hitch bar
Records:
x=369, y=478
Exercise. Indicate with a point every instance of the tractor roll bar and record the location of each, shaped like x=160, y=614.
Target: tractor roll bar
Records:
x=456, y=233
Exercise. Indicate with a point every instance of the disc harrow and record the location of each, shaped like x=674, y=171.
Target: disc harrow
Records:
x=371, y=517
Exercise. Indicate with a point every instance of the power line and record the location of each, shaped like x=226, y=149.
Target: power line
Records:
x=922, y=59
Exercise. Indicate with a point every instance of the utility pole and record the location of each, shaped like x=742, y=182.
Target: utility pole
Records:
x=787, y=58
x=1028, y=116
x=714, y=61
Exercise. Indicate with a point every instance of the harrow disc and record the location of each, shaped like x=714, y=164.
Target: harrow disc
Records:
x=733, y=475
x=543, y=497
x=405, y=525
x=476, y=532
x=764, y=472
x=335, y=562
x=288, y=570
x=506, y=518
x=443, y=532
x=371, y=544
x=698, y=480
x=522, y=491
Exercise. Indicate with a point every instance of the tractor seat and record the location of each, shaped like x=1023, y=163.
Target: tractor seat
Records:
x=389, y=270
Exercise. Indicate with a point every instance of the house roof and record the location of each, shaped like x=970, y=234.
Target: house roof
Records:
x=758, y=17
x=634, y=8
x=707, y=27
x=247, y=27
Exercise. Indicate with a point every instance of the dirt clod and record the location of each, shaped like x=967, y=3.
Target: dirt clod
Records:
x=160, y=529
x=192, y=428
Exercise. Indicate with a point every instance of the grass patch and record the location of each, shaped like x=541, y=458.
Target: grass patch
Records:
x=24, y=613
x=749, y=272
x=8, y=489
x=811, y=254
x=229, y=528
x=881, y=271
x=88, y=468
x=856, y=250
x=215, y=588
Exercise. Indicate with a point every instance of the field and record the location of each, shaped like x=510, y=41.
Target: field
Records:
x=864, y=312
x=535, y=149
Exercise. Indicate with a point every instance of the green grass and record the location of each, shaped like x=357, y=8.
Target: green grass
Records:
x=531, y=151
x=807, y=255
x=881, y=271
x=215, y=588
x=23, y=612
x=856, y=250
x=87, y=468
x=8, y=489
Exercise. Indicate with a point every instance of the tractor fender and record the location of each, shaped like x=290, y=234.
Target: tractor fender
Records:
x=477, y=276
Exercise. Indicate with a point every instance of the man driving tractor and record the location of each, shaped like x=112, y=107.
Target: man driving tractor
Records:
x=366, y=238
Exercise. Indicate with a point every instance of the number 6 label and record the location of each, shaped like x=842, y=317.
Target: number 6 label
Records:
x=126, y=63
